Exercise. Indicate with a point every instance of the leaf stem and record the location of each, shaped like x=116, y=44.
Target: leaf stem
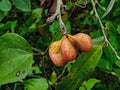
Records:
x=103, y=28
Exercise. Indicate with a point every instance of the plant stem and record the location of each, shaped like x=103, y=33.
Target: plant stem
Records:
x=60, y=9
x=111, y=73
x=38, y=50
x=103, y=28
x=15, y=86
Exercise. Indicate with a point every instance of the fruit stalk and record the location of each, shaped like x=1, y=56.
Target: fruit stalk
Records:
x=60, y=9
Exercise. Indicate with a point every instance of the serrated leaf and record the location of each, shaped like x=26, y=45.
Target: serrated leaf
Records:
x=16, y=58
x=36, y=84
x=23, y=5
x=110, y=6
x=81, y=69
x=5, y=5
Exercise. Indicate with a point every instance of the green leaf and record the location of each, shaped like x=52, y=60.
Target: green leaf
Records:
x=53, y=78
x=117, y=63
x=37, y=14
x=36, y=84
x=10, y=25
x=35, y=70
x=88, y=85
x=68, y=27
x=113, y=40
x=95, y=33
x=2, y=15
x=98, y=40
x=2, y=25
x=81, y=69
x=16, y=58
x=104, y=64
x=23, y=5
x=82, y=88
x=5, y=5
x=54, y=29
x=110, y=6
x=118, y=29
x=116, y=10
x=110, y=26
x=109, y=55
x=13, y=25
x=12, y=40
x=69, y=5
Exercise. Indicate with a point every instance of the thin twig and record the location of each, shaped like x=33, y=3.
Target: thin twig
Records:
x=15, y=86
x=103, y=28
x=38, y=50
x=72, y=11
x=84, y=2
x=43, y=64
x=51, y=42
x=111, y=73
x=42, y=25
x=61, y=73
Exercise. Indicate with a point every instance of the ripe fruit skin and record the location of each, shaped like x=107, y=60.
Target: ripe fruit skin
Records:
x=55, y=53
x=69, y=52
x=73, y=42
x=83, y=41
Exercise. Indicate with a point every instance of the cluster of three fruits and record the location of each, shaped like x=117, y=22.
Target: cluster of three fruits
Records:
x=68, y=47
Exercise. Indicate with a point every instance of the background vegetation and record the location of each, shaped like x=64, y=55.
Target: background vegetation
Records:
x=25, y=38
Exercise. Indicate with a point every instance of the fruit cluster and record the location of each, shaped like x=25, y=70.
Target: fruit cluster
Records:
x=68, y=47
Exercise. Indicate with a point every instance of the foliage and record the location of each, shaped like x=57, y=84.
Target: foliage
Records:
x=16, y=58
x=25, y=38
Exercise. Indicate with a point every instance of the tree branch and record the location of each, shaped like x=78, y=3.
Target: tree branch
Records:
x=102, y=28
x=60, y=9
